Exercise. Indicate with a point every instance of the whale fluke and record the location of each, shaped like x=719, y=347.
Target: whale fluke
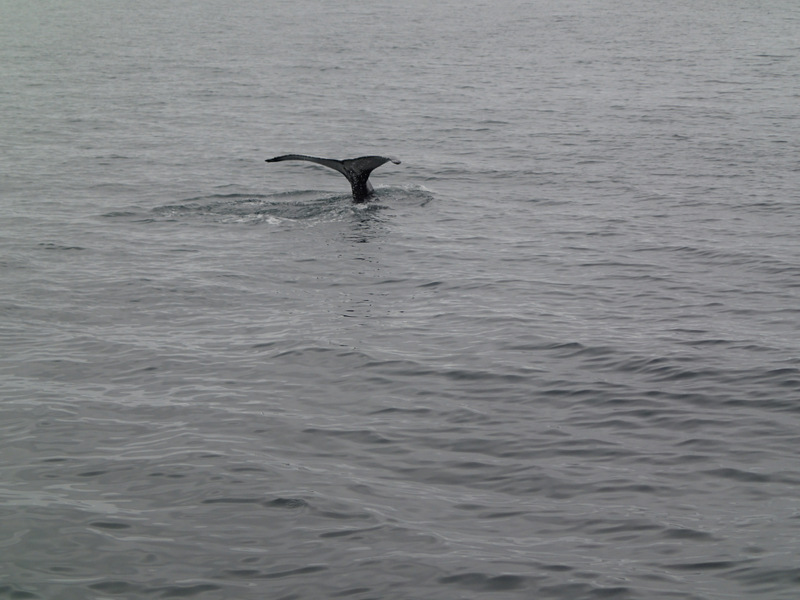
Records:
x=357, y=170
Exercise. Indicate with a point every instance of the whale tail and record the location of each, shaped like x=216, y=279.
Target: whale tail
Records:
x=357, y=170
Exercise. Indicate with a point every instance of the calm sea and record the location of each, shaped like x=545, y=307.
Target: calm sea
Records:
x=557, y=358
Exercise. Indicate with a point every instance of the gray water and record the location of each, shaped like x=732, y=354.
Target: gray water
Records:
x=557, y=357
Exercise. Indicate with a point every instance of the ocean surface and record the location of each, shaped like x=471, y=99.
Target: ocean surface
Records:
x=557, y=357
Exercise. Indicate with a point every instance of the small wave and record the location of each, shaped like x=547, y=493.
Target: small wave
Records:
x=239, y=208
x=412, y=192
x=60, y=247
x=306, y=206
x=301, y=206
